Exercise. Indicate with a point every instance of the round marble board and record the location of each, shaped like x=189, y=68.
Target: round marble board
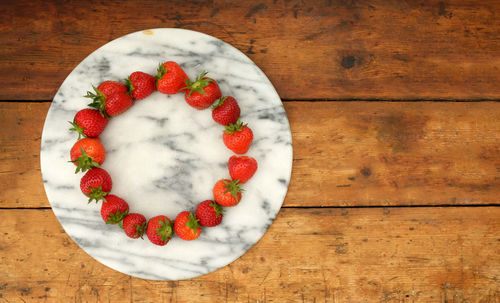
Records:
x=165, y=156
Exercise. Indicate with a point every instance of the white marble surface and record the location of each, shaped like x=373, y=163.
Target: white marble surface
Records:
x=164, y=156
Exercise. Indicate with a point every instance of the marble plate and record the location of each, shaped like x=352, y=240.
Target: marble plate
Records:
x=165, y=157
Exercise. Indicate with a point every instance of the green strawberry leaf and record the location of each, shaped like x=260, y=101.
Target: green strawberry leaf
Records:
x=192, y=222
x=219, y=103
x=198, y=85
x=161, y=71
x=130, y=86
x=234, y=127
x=217, y=208
x=233, y=187
x=77, y=128
x=98, y=101
x=85, y=162
x=139, y=230
x=97, y=194
x=165, y=230
x=117, y=217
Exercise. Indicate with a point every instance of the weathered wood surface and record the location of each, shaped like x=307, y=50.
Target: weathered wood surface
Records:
x=308, y=255
x=309, y=49
x=345, y=153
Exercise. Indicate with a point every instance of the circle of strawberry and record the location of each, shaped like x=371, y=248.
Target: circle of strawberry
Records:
x=170, y=78
x=201, y=93
x=226, y=111
x=159, y=230
x=209, y=213
x=186, y=226
x=242, y=168
x=111, y=98
x=237, y=137
x=113, y=209
x=96, y=184
x=134, y=225
x=227, y=192
x=140, y=85
x=87, y=153
x=89, y=123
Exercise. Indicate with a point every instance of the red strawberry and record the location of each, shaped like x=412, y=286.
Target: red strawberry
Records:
x=89, y=123
x=117, y=104
x=170, y=78
x=114, y=209
x=134, y=225
x=238, y=137
x=227, y=193
x=159, y=230
x=242, y=168
x=96, y=184
x=87, y=153
x=140, y=85
x=186, y=226
x=109, y=88
x=209, y=213
x=226, y=111
x=110, y=98
x=202, y=93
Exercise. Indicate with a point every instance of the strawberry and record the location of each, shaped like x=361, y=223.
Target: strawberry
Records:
x=227, y=193
x=201, y=93
x=134, y=225
x=241, y=168
x=96, y=184
x=140, y=85
x=209, y=213
x=238, y=137
x=159, y=230
x=111, y=98
x=186, y=226
x=109, y=88
x=89, y=123
x=170, y=78
x=114, y=209
x=87, y=153
x=226, y=111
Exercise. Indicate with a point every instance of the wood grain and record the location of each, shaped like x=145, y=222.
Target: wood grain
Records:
x=345, y=153
x=323, y=49
x=353, y=255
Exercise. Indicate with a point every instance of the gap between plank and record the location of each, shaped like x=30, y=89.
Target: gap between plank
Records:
x=328, y=100
x=326, y=207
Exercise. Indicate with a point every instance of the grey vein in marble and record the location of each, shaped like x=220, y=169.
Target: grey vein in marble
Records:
x=165, y=157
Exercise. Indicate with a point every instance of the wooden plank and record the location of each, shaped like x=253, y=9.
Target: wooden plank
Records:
x=21, y=126
x=394, y=153
x=322, y=49
x=308, y=255
x=345, y=153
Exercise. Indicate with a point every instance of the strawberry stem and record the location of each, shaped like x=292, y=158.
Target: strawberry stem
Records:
x=234, y=127
x=85, y=162
x=139, y=230
x=160, y=72
x=130, y=86
x=220, y=102
x=198, y=85
x=192, y=222
x=217, y=208
x=98, y=101
x=77, y=128
x=165, y=230
x=233, y=187
x=117, y=217
x=97, y=194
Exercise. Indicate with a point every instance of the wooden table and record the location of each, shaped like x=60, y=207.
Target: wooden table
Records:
x=396, y=129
